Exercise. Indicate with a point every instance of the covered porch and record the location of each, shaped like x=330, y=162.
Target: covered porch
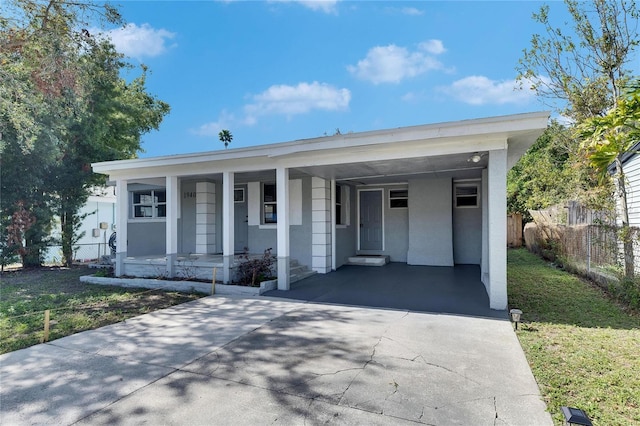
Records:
x=436, y=289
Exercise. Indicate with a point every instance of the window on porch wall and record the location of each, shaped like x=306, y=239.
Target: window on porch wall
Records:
x=149, y=204
x=467, y=195
x=342, y=205
x=269, y=203
x=398, y=198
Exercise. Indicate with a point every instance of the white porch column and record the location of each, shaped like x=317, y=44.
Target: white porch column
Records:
x=282, y=198
x=205, y=217
x=173, y=202
x=484, y=261
x=321, y=218
x=497, y=222
x=228, y=244
x=122, y=219
x=332, y=210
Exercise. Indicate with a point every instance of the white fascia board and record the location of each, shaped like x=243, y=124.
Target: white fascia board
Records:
x=194, y=169
x=435, y=139
x=414, y=149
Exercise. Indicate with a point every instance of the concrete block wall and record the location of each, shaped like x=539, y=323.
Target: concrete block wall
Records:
x=321, y=225
x=205, y=217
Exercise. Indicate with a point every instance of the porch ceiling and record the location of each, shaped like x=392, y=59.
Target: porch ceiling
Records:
x=455, y=166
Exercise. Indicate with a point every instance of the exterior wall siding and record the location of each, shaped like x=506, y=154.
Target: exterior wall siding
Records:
x=430, y=222
x=467, y=233
x=146, y=238
x=396, y=228
x=632, y=174
x=187, y=226
x=262, y=237
x=346, y=242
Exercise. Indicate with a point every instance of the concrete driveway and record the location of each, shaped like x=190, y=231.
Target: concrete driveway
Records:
x=222, y=360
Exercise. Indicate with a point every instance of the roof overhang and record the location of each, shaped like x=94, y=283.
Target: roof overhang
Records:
x=425, y=149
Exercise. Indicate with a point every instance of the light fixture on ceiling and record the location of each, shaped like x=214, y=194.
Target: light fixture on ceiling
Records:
x=475, y=157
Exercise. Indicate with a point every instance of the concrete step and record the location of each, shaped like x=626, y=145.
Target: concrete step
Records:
x=293, y=270
x=298, y=272
x=293, y=263
x=369, y=260
x=301, y=276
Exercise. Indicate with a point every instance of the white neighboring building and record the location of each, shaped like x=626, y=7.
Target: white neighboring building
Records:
x=100, y=208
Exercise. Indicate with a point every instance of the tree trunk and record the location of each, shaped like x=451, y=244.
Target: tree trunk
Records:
x=66, y=225
x=625, y=232
x=31, y=254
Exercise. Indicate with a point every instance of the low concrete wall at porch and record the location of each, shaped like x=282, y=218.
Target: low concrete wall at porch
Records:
x=184, y=286
x=184, y=268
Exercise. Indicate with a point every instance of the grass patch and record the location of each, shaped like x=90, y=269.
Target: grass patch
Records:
x=75, y=306
x=583, y=347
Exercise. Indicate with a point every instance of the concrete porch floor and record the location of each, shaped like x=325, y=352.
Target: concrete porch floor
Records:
x=452, y=290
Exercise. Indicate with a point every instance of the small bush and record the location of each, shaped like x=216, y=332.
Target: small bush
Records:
x=251, y=272
x=629, y=292
x=104, y=272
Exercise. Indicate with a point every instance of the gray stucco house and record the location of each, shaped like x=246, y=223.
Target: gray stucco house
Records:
x=424, y=195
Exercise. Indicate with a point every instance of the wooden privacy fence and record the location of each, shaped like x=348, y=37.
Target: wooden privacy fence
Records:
x=514, y=230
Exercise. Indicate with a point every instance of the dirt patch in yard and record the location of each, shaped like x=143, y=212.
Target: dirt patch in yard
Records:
x=74, y=306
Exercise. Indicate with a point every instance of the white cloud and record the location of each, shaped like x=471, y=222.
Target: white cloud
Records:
x=280, y=100
x=225, y=120
x=140, y=41
x=391, y=64
x=326, y=6
x=293, y=100
x=480, y=90
x=435, y=47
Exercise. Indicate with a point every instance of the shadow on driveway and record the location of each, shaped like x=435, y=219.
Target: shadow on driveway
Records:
x=452, y=290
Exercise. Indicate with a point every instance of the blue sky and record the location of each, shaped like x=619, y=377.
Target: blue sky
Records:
x=276, y=71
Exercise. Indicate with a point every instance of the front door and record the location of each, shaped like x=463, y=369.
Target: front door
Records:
x=240, y=221
x=371, y=220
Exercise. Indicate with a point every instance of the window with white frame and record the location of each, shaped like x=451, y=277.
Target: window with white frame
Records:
x=269, y=203
x=149, y=204
x=467, y=195
x=342, y=206
x=398, y=198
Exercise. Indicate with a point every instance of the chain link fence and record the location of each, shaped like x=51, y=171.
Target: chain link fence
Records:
x=82, y=253
x=593, y=250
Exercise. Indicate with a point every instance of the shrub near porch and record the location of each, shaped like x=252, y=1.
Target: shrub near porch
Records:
x=583, y=348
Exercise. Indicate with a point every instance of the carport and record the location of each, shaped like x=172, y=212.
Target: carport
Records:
x=435, y=289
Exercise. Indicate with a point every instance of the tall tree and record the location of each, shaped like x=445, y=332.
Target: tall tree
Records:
x=63, y=105
x=578, y=68
x=605, y=140
x=225, y=137
x=582, y=65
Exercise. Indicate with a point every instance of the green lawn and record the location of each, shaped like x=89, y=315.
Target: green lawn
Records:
x=75, y=306
x=583, y=348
